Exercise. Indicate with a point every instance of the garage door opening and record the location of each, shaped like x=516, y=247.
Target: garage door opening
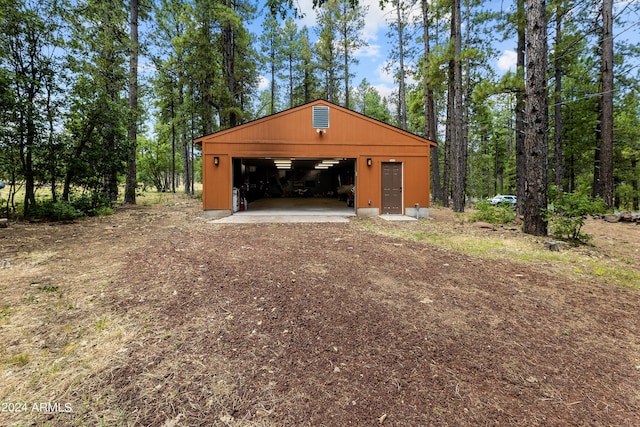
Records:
x=293, y=184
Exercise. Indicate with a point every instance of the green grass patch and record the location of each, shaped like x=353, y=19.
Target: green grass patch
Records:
x=18, y=359
x=102, y=323
x=614, y=273
x=104, y=211
x=516, y=249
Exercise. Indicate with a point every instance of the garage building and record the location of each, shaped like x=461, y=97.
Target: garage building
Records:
x=317, y=150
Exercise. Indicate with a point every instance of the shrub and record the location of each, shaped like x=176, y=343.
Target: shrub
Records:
x=77, y=207
x=57, y=211
x=502, y=213
x=104, y=211
x=91, y=204
x=567, y=213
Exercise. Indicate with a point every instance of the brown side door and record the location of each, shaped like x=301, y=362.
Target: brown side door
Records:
x=392, y=188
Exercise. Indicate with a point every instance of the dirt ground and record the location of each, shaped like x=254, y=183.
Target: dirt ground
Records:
x=156, y=317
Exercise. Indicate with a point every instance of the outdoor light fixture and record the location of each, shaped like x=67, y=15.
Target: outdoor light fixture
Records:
x=369, y=162
x=216, y=160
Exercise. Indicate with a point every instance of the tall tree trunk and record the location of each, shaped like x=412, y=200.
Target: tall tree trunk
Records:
x=557, y=107
x=464, y=103
x=307, y=85
x=28, y=142
x=521, y=165
x=132, y=179
x=346, y=78
x=53, y=155
x=402, y=99
x=498, y=178
x=290, y=81
x=184, y=142
x=345, y=45
x=228, y=35
x=634, y=184
x=273, y=80
x=173, y=147
x=109, y=173
x=572, y=173
x=186, y=160
x=606, y=128
x=596, y=189
x=536, y=139
x=430, y=122
x=458, y=166
x=192, y=154
x=29, y=185
x=448, y=139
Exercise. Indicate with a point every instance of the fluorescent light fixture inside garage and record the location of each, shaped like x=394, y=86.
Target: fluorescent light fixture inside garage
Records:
x=282, y=163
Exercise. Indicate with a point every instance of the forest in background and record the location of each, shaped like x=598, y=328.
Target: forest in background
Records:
x=83, y=118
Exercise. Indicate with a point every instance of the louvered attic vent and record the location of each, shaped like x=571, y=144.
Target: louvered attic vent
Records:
x=320, y=117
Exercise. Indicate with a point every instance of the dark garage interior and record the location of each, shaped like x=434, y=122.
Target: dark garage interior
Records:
x=258, y=178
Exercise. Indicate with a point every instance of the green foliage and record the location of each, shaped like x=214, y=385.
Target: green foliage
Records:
x=56, y=211
x=104, y=211
x=566, y=215
x=18, y=359
x=367, y=100
x=78, y=207
x=154, y=159
x=502, y=213
x=91, y=204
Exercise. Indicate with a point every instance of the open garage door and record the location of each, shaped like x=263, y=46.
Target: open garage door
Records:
x=293, y=184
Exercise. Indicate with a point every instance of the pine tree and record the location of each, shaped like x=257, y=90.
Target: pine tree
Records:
x=535, y=144
x=272, y=56
x=131, y=177
x=25, y=39
x=326, y=51
x=350, y=22
x=606, y=105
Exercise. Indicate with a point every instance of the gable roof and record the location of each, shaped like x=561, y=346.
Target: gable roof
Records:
x=295, y=126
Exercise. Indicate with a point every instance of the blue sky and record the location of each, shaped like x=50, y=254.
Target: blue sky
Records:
x=374, y=57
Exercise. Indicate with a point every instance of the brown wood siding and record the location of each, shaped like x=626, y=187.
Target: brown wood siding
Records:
x=289, y=134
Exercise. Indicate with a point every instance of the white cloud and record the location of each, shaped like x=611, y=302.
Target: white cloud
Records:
x=507, y=61
x=385, y=91
x=309, y=18
x=375, y=20
x=263, y=83
x=370, y=51
x=384, y=75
